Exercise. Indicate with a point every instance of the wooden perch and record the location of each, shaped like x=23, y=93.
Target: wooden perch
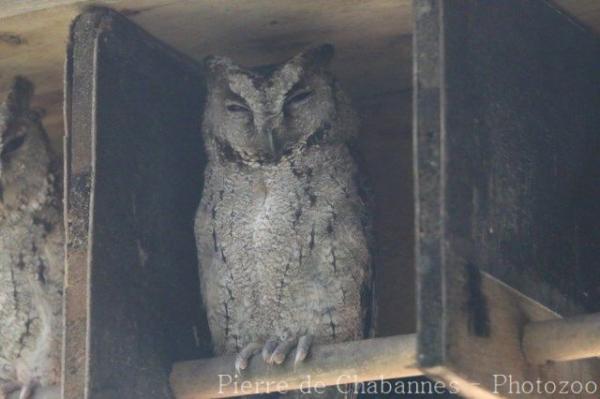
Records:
x=40, y=393
x=327, y=365
x=562, y=339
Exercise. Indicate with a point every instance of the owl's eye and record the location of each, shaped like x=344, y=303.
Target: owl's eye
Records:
x=12, y=146
x=299, y=96
x=234, y=107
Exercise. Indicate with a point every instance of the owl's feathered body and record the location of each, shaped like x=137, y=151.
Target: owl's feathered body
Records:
x=31, y=251
x=284, y=248
x=282, y=230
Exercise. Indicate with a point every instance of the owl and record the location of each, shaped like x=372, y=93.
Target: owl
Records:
x=31, y=253
x=282, y=230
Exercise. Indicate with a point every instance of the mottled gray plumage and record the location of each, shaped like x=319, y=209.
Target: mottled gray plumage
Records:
x=31, y=251
x=282, y=230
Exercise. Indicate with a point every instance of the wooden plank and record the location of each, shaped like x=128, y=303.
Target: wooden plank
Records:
x=586, y=12
x=505, y=149
x=370, y=36
x=134, y=180
x=328, y=365
x=15, y=7
x=562, y=340
x=494, y=366
x=40, y=393
x=372, y=39
x=78, y=166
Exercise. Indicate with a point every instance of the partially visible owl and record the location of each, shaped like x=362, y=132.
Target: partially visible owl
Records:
x=282, y=229
x=31, y=253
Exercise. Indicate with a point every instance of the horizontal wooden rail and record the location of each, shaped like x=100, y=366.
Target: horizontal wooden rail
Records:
x=562, y=339
x=40, y=393
x=327, y=365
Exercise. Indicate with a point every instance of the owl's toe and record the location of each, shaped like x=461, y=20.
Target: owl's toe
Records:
x=241, y=360
x=281, y=351
x=302, y=349
x=268, y=349
x=28, y=389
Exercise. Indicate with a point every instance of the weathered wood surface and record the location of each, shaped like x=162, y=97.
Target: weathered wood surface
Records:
x=78, y=167
x=11, y=8
x=33, y=36
x=481, y=366
x=372, y=39
x=562, y=340
x=327, y=365
x=134, y=179
x=506, y=144
x=40, y=393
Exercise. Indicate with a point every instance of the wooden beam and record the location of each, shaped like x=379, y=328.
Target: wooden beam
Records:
x=483, y=367
x=327, y=365
x=40, y=393
x=17, y=7
x=563, y=339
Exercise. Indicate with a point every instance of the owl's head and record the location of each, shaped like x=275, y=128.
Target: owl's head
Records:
x=24, y=150
x=261, y=114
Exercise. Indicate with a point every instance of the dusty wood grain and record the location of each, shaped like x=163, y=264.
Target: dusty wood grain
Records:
x=15, y=7
x=482, y=366
x=40, y=393
x=135, y=166
x=33, y=36
x=504, y=146
x=372, y=39
x=562, y=340
x=327, y=365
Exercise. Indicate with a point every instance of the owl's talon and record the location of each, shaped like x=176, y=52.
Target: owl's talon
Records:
x=241, y=360
x=282, y=350
x=27, y=390
x=268, y=349
x=302, y=349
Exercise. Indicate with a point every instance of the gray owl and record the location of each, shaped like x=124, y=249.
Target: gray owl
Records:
x=31, y=252
x=282, y=228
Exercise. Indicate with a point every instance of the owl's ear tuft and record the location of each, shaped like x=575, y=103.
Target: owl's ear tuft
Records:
x=318, y=56
x=215, y=65
x=19, y=96
x=17, y=104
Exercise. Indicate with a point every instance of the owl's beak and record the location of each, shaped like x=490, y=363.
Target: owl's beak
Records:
x=271, y=138
x=269, y=130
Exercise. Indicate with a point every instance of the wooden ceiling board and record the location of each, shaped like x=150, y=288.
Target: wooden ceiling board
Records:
x=373, y=38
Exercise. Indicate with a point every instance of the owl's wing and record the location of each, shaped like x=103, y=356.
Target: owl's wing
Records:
x=366, y=218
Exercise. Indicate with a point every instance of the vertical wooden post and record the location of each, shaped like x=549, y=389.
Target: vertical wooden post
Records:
x=134, y=177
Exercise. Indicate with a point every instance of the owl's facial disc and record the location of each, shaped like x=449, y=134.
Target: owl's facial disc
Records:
x=262, y=114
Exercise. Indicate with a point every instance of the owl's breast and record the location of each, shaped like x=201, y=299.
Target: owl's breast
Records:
x=268, y=221
x=281, y=248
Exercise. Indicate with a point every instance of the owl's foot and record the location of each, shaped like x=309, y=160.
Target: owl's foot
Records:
x=275, y=351
x=242, y=358
x=27, y=390
x=302, y=349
